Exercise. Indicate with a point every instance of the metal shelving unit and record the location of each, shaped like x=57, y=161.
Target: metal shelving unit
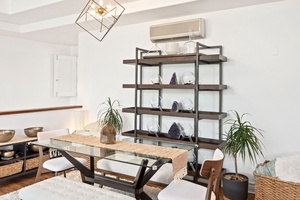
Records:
x=143, y=59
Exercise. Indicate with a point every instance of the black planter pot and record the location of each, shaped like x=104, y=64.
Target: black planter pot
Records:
x=235, y=190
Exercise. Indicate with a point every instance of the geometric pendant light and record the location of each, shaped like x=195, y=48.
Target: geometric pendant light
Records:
x=97, y=18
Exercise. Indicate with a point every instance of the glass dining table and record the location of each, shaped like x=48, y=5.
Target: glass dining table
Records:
x=149, y=163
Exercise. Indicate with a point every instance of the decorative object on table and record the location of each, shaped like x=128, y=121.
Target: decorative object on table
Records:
x=32, y=131
x=175, y=106
x=188, y=78
x=173, y=80
x=240, y=140
x=98, y=18
x=187, y=105
x=6, y=135
x=112, y=121
x=153, y=128
x=174, y=131
x=156, y=79
x=172, y=48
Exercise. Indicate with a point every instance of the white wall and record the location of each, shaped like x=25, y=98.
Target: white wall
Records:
x=262, y=46
x=26, y=74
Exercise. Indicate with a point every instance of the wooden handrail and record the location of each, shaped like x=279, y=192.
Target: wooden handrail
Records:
x=13, y=112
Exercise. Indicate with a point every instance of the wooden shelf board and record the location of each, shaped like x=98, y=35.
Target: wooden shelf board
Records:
x=18, y=139
x=167, y=112
x=174, y=59
x=206, y=143
x=202, y=87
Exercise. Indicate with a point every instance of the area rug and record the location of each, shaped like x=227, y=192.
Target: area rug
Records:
x=75, y=175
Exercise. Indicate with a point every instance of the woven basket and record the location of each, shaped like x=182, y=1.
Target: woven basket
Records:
x=34, y=162
x=10, y=169
x=271, y=188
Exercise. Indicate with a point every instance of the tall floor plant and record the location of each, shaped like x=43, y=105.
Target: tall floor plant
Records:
x=242, y=140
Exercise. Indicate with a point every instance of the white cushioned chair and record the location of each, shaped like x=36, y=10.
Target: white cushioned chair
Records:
x=59, y=164
x=182, y=189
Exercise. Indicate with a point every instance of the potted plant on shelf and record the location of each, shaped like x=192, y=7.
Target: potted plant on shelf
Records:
x=241, y=140
x=111, y=120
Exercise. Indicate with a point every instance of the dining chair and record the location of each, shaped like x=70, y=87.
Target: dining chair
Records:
x=182, y=189
x=54, y=164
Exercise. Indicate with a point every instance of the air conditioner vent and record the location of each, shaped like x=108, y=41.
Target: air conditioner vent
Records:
x=177, y=31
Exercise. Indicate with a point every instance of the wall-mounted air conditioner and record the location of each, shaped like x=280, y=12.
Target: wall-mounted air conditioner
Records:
x=175, y=31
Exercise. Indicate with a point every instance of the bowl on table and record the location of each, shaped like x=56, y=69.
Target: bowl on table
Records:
x=34, y=148
x=7, y=153
x=6, y=135
x=32, y=131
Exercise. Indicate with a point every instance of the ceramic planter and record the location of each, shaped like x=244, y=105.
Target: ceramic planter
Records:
x=235, y=190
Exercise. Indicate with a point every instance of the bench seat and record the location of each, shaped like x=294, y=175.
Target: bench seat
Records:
x=57, y=188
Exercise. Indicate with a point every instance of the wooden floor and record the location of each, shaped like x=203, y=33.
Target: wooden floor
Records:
x=17, y=184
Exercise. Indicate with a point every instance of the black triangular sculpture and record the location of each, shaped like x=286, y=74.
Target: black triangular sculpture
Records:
x=174, y=79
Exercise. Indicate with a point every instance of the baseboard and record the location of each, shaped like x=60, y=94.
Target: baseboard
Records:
x=251, y=188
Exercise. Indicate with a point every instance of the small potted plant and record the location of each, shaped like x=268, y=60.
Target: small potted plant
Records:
x=111, y=120
x=240, y=141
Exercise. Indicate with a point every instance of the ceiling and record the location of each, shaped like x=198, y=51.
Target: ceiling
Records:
x=54, y=20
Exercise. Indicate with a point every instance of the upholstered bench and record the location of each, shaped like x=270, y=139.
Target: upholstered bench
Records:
x=164, y=175
x=57, y=188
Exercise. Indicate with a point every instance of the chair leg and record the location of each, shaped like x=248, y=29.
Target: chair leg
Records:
x=38, y=174
x=101, y=186
x=40, y=165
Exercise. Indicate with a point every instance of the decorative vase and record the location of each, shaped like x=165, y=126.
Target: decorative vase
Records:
x=108, y=134
x=153, y=128
x=233, y=189
x=188, y=78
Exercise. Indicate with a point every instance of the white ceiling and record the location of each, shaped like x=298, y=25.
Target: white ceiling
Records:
x=54, y=20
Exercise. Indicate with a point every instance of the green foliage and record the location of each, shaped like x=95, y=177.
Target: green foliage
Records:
x=109, y=113
x=241, y=140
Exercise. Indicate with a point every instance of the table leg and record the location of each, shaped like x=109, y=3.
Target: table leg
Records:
x=136, y=187
x=83, y=169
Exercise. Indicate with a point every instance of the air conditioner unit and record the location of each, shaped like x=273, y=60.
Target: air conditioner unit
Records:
x=182, y=30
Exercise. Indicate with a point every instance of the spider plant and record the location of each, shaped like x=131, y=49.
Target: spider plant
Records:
x=109, y=113
x=241, y=140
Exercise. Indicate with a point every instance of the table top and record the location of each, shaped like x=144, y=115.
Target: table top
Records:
x=96, y=151
x=131, y=152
